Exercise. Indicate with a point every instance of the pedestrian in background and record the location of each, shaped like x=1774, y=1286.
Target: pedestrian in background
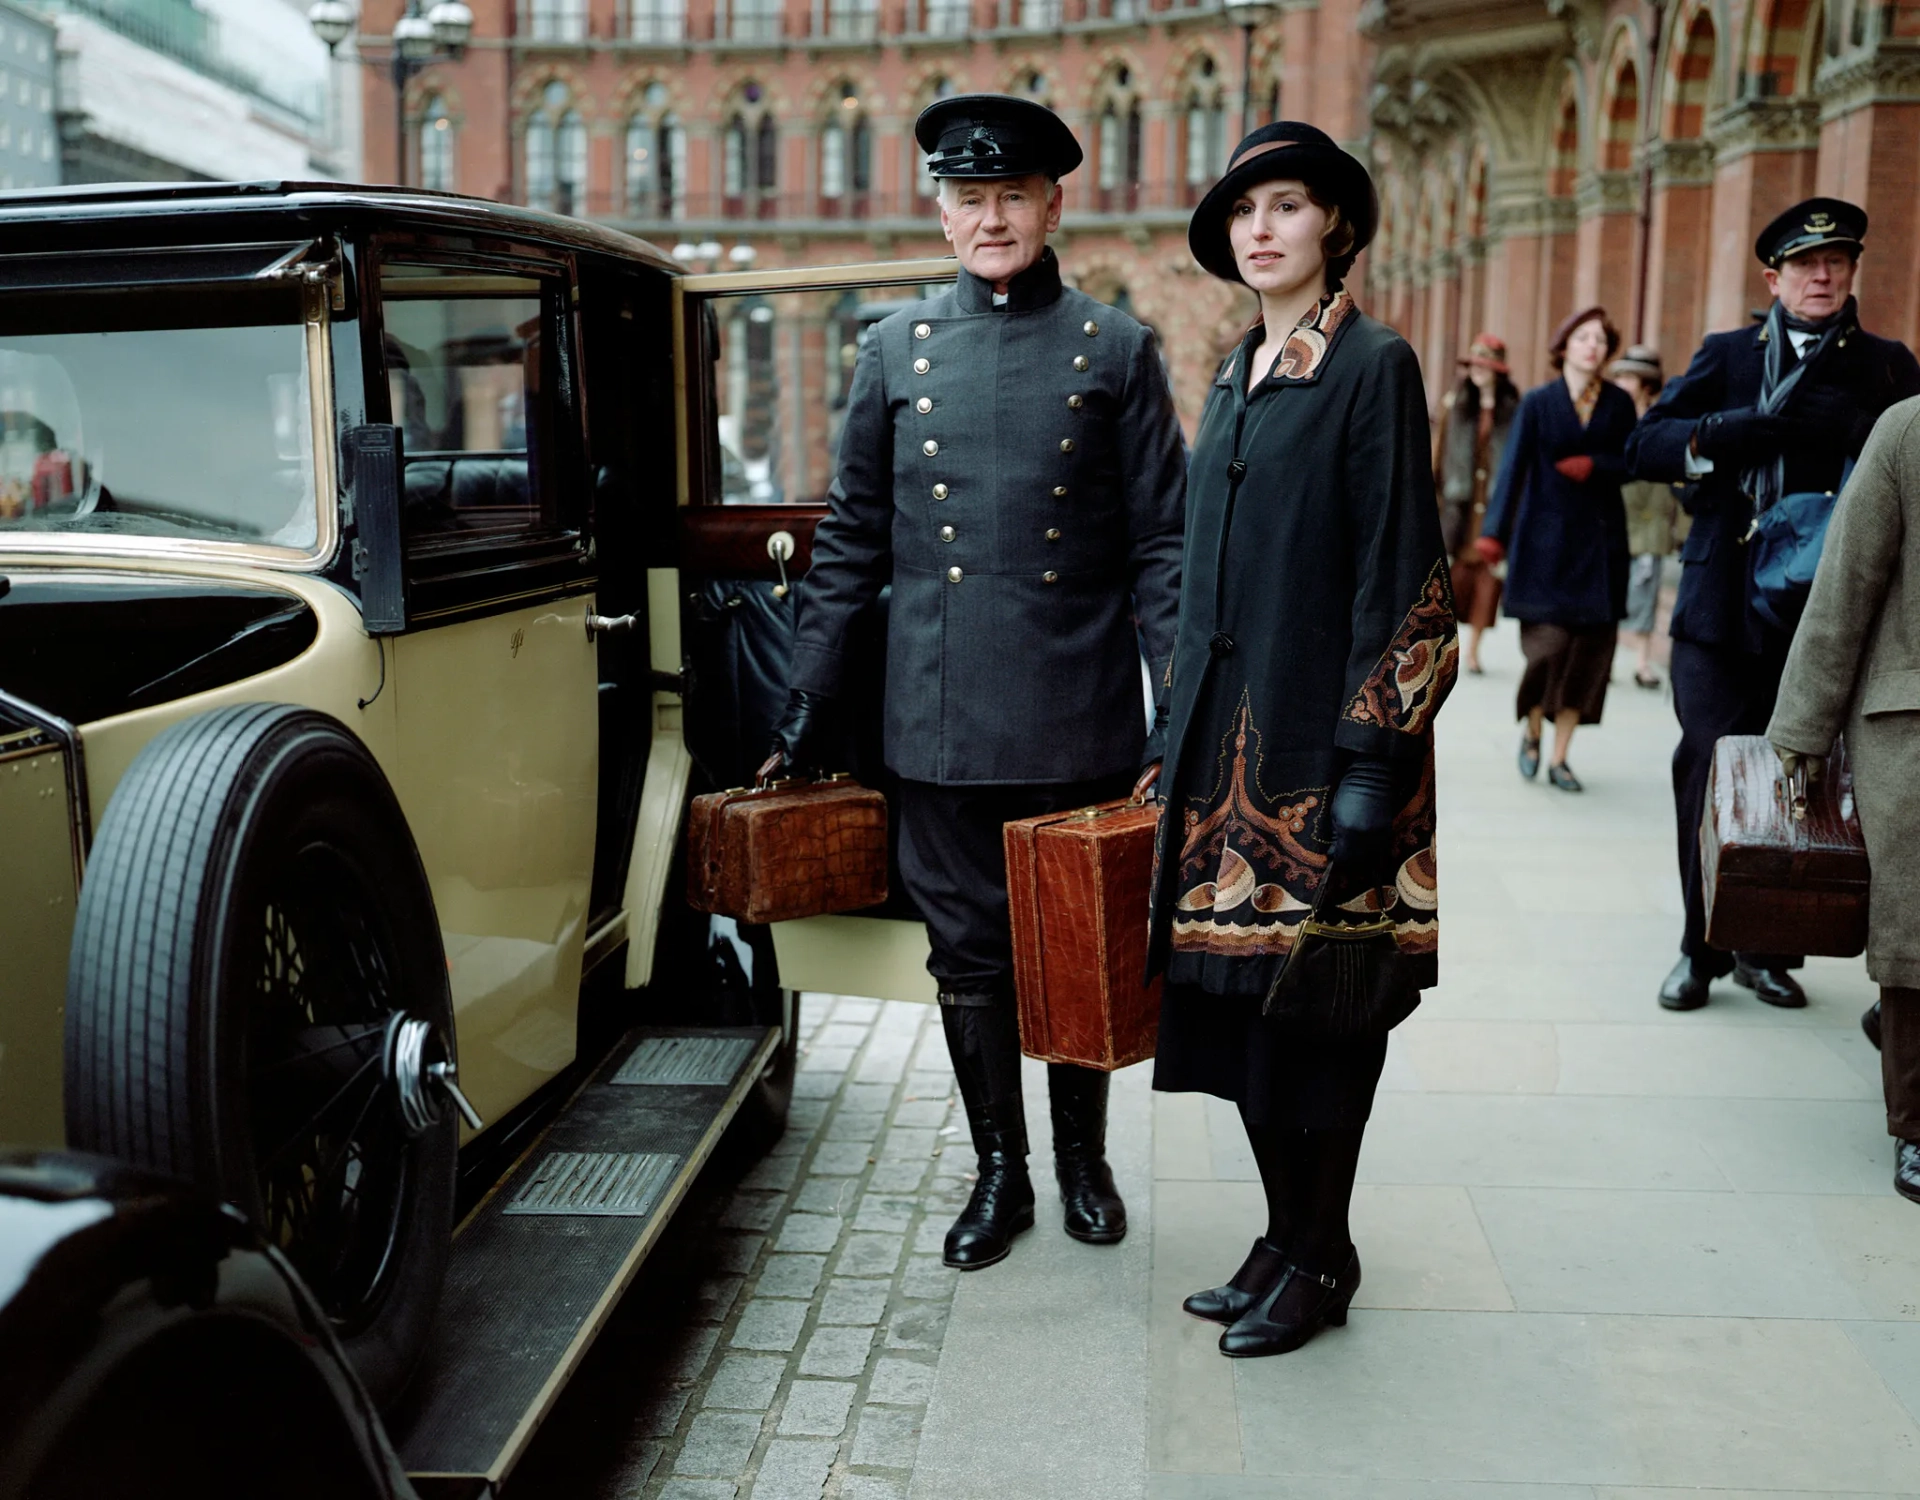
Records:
x=1855, y=666
x=1475, y=419
x=1556, y=517
x=1651, y=508
x=1772, y=410
x=1316, y=642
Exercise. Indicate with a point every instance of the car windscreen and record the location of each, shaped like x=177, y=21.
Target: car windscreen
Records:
x=158, y=414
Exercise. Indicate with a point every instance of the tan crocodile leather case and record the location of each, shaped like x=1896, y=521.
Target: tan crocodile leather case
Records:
x=787, y=851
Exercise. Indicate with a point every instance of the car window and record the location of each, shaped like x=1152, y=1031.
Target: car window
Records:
x=476, y=376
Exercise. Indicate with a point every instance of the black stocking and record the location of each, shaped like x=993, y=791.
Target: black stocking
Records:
x=1323, y=1236
x=1277, y=1151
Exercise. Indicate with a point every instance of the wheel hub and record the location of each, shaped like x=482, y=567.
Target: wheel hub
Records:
x=419, y=1087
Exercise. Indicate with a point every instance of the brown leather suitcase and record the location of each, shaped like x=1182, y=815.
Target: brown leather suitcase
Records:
x=786, y=850
x=1783, y=868
x=1077, y=887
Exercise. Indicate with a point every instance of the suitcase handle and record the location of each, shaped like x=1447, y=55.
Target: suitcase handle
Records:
x=1797, y=794
x=1149, y=778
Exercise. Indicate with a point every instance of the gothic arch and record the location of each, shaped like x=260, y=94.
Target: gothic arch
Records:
x=1567, y=128
x=1783, y=47
x=530, y=89
x=1618, y=125
x=1690, y=79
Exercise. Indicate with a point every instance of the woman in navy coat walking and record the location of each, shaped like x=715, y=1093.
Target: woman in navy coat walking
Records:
x=1557, y=517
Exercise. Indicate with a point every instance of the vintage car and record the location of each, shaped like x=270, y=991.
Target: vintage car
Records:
x=379, y=572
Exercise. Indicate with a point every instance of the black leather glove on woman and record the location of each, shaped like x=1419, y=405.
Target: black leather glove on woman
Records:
x=1743, y=435
x=804, y=737
x=1362, y=811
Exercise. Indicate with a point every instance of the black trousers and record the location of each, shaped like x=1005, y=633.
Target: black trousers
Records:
x=1716, y=692
x=1900, y=1060
x=954, y=864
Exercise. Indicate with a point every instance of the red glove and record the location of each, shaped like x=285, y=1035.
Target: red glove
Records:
x=1578, y=468
x=1490, y=548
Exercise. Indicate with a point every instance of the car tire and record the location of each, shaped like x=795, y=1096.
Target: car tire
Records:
x=256, y=1001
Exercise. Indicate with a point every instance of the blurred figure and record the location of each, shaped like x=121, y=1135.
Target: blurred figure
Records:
x=1855, y=667
x=1475, y=418
x=1556, y=508
x=1651, y=509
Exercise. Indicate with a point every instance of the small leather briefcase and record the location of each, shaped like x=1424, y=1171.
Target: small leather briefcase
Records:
x=787, y=849
x=1783, y=865
x=1077, y=888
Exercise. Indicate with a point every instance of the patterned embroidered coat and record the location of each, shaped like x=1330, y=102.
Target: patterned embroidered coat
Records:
x=1316, y=623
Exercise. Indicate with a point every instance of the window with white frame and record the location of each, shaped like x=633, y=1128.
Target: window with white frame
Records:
x=946, y=17
x=556, y=153
x=1205, y=124
x=853, y=20
x=555, y=20
x=1039, y=15
x=657, y=20
x=656, y=159
x=753, y=20
x=435, y=146
x=846, y=153
x=1117, y=142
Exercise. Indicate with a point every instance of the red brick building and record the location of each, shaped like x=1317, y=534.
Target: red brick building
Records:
x=1532, y=154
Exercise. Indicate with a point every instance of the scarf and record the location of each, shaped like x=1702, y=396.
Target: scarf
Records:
x=1764, y=482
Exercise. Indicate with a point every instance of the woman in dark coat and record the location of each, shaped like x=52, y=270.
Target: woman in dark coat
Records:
x=1556, y=516
x=1316, y=642
x=1476, y=417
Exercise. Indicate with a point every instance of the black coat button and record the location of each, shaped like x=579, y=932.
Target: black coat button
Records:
x=1221, y=644
x=1237, y=469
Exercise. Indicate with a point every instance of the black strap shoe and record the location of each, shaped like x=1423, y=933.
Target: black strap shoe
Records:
x=1077, y=1097
x=1562, y=776
x=1001, y=1207
x=1775, y=986
x=1906, y=1170
x=1230, y=1303
x=1683, y=989
x=1300, y=1304
x=1529, y=756
x=1870, y=1024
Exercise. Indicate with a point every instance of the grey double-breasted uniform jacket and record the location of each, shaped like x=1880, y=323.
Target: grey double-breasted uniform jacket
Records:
x=1018, y=474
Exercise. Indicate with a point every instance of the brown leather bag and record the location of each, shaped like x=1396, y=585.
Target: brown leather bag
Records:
x=1783, y=867
x=787, y=849
x=1077, y=888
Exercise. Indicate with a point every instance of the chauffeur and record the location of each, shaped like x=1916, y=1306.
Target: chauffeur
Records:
x=1012, y=463
x=1760, y=413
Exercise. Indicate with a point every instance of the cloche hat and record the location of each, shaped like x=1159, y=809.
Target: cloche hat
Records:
x=1284, y=149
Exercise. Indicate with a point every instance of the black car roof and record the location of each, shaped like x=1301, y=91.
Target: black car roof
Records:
x=137, y=205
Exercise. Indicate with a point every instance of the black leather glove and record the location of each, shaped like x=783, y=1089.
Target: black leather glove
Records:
x=1744, y=435
x=1362, y=812
x=805, y=734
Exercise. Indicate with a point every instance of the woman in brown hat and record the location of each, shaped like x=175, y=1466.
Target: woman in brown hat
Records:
x=1475, y=418
x=1315, y=645
x=1556, y=514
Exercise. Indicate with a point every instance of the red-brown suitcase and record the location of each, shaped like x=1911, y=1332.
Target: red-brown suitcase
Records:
x=1077, y=887
x=791, y=849
x=1783, y=869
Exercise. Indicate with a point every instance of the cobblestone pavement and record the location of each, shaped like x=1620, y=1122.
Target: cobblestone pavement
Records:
x=783, y=1342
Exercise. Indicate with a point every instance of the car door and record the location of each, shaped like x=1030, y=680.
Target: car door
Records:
x=767, y=362
x=495, y=679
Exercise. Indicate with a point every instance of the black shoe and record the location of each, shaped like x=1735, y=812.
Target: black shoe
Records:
x=1906, y=1170
x=1683, y=989
x=1529, y=757
x=1562, y=776
x=1775, y=986
x=1299, y=1306
x=1077, y=1098
x=1870, y=1024
x=1001, y=1207
x=1258, y=1272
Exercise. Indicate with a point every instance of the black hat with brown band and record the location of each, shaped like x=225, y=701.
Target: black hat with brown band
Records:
x=1284, y=150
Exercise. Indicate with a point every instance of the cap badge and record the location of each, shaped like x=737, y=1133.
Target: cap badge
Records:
x=1819, y=223
x=983, y=142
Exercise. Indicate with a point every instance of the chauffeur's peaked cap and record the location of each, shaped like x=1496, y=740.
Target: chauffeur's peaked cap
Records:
x=1810, y=226
x=994, y=135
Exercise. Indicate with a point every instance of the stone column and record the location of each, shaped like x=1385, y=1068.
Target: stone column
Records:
x=1765, y=152
x=1607, y=243
x=1869, y=123
x=1677, y=246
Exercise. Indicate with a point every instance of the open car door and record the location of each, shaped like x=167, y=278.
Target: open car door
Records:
x=766, y=361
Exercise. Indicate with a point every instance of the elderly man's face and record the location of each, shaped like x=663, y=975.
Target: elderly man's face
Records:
x=1815, y=285
x=998, y=228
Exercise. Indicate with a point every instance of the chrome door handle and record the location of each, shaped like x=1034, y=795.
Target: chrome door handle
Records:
x=780, y=549
x=599, y=625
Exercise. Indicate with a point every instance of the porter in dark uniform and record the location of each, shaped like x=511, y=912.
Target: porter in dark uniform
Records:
x=1012, y=463
x=1762, y=412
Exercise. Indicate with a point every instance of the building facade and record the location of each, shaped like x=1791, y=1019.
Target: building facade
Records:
x=29, y=139
x=1532, y=155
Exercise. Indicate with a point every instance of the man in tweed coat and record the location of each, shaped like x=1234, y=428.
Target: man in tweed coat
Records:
x=1012, y=464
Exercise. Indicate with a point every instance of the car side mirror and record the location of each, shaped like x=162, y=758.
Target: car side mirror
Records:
x=375, y=465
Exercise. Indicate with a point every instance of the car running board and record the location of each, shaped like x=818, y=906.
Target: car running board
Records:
x=540, y=1264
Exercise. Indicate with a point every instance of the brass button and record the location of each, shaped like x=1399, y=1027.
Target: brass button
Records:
x=930, y=447
x=939, y=492
x=1075, y=403
x=1066, y=445
x=921, y=331
x=954, y=575
x=923, y=405
x=1091, y=329
x=1049, y=576
x=1081, y=362
x=1053, y=533
x=946, y=533
x=1059, y=492
x=921, y=366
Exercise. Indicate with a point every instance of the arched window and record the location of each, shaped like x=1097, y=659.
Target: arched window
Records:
x=656, y=159
x=556, y=20
x=557, y=153
x=846, y=157
x=1117, y=144
x=750, y=157
x=435, y=146
x=1204, y=126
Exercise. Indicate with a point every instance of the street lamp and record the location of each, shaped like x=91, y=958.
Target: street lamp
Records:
x=419, y=39
x=1247, y=14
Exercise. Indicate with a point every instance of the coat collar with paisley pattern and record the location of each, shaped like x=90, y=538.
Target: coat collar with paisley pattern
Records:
x=1308, y=348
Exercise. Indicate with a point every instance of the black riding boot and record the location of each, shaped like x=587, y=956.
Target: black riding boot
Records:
x=983, y=1038
x=1079, y=1100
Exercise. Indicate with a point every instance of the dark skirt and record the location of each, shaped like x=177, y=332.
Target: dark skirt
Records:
x=1568, y=666
x=1278, y=1075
